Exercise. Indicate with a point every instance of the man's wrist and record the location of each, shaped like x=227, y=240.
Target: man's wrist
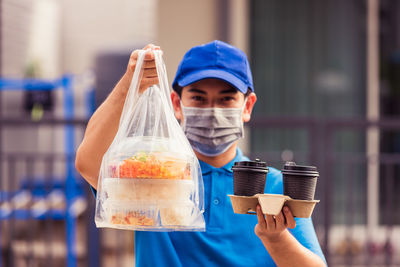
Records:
x=125, y=82
x=278, y=239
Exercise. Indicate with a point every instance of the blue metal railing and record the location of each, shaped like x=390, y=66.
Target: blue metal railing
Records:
x=72, y=191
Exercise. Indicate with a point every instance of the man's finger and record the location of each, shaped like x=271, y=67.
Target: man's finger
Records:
x=280, y=221
x=149, y=64
x=290, y=221
x=147, y=82
x=150, y=73
x=260, y=217
x=134, y=55
x=149, y=55
x=151, y=46
x=270, y=222
x=132, y=60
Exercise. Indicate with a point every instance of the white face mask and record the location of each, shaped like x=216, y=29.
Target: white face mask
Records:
x=211, y=131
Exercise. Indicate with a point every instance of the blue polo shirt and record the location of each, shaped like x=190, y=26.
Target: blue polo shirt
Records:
x=229, y=239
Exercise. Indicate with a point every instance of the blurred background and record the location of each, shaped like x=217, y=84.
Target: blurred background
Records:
x=327, y=77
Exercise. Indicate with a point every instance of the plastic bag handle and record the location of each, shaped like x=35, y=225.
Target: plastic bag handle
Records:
x=133, y=92
x=162, y=77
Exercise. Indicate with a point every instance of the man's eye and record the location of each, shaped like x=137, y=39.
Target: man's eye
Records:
x=228, y=98
x=198, y=98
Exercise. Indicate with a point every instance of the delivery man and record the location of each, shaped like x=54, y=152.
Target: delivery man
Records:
x=213, y=84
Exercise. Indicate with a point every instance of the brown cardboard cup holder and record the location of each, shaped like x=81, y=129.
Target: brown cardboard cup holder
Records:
x=272, y=204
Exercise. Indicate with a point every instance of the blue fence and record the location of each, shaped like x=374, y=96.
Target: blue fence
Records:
x=69, y=190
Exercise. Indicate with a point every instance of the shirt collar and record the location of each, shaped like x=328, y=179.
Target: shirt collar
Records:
x=207, y=168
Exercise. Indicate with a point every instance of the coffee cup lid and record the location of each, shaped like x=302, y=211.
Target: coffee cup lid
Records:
x=258, y=164
x=291, y=166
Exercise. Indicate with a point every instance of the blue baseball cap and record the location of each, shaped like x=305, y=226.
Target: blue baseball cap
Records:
x=217, y=60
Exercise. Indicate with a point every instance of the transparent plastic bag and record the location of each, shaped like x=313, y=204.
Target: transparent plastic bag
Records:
x=150, y=178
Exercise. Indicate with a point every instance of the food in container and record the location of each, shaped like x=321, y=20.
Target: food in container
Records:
x=131, y=214
x=148, y=189
x=136, y=218
x=153, y=166
x=144, y=214
x=178, y=215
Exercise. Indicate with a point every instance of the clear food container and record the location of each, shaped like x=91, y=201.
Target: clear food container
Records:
x=154, y=158
x=177, y=214
x=150, y=184
x=148, y=189
x=127, y=215
x=144, y=215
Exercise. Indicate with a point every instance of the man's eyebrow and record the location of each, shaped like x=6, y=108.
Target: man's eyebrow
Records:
x=195, y=90
x=229, y=91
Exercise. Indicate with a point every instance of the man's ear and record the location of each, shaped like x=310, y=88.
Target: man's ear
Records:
x=176, y=104
x=251, y=100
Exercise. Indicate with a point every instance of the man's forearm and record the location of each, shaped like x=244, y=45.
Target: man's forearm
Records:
x=287, y=251
x=103, y=125
x=100, y=132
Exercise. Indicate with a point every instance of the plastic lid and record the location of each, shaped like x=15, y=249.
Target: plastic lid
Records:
x=253, y=164
x=292, y=166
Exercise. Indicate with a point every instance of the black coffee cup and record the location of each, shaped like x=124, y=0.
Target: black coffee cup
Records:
x=249, y=177
x=299, y=181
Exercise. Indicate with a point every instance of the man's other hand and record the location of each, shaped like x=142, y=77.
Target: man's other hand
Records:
x=271, y=227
